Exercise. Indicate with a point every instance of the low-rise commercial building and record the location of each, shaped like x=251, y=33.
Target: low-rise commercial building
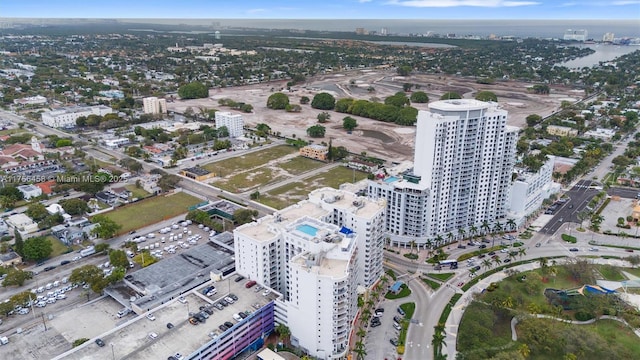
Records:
x=66, y=117
x=315, y=151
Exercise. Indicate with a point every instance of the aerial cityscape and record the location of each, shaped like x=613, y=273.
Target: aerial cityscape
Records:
x=361, y=180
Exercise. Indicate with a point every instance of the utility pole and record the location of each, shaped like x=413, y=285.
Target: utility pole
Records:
x=44, y=322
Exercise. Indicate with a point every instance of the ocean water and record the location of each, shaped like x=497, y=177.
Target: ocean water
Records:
x=520, y=28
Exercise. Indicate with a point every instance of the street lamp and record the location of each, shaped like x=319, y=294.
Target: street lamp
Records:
x=113, y=353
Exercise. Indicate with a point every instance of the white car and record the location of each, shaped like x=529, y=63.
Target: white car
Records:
x=76, y=258
x=182, y=299
x=266, y=292
x=152, y=335
x=151, y=317
x=229, y=300
x=237, y=317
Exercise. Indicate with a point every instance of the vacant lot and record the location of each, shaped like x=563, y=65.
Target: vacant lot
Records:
x=294, y=192
x=151, y=211
x=249, y=161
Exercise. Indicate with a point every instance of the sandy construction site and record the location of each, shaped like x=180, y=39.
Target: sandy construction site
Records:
x=384, y=140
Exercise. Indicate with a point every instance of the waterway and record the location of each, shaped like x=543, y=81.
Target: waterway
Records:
x=604, y=53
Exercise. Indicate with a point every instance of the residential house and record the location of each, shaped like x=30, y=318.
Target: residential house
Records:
x=29, y=191
x=10, y=259
x=107, y=198
x=24, y=224
x=121, y=192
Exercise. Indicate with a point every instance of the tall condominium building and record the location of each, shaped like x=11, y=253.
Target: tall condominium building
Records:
x=576, y=35
x=153, y=105
x=316, y=254
x=233, y=122
x=463, y=163
x=66, y=117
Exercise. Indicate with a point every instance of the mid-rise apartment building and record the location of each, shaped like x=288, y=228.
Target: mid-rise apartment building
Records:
x=153, y=105
x=233, y=123
x=316, y=254
x=463, y=162
x=66, y=117
x=529, y=190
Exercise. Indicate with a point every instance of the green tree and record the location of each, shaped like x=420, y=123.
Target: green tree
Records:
x=316, y=131
x=16, y=277
x=304, y=100
x=349, y=123
x=118, y=258
x=75, y=206
x=323, y=101
x=407, y=87
x=244, y=216
x=283, y=332
x=85, y=274
x=450, y=95
x=404, y=70
x=399, y=99
x=37, y=211
x=193, y=90
x=486, y=96
x=533, y=120
x=37, y=248
x=106, y=228
x=419, y=97
x=277, y=101
x=323, y=117
x=18, y=245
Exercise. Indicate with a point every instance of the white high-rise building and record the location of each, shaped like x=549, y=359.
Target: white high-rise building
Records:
x=463, y=163
x=233, y=122
x=153, y=105
x=316, y=254
x=529, y=190
x=577, y=35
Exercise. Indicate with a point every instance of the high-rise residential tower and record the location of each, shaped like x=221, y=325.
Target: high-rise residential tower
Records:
x=463, y=163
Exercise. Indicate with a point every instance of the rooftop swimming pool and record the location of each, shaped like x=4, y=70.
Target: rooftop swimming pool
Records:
x=391, y=179
x=307, y=229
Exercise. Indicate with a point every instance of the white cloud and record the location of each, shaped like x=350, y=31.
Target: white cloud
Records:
x=626, y=2
x=457, y=3
x=256, y=11
x=364, y=1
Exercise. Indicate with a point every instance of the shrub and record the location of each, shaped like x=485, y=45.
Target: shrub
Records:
x=79, y=342
x=569, y=238
x=584, y=316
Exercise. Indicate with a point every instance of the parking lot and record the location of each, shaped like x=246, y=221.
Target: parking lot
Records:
x=379, y=338
x=132, y=336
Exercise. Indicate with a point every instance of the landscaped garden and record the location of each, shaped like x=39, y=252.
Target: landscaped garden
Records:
x=485, y=331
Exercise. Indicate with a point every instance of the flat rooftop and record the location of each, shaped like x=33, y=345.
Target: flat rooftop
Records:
x=174, y=275
x=131, y=340
x=348, y=201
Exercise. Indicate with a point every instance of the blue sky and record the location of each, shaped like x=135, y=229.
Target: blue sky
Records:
x=325, y=9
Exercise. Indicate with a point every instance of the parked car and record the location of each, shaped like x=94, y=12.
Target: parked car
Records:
x=169, y=326
x=574, y=249
x=394, y=342
x=153, y=335
x=228, y=324
x=151, y=317
x=239, y=278
x=100, y=342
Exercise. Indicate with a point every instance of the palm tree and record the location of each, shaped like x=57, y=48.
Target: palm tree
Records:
x=512, y=255
x=412, y=243
x=366, y=315
x=496, y=228
x=485, y=227
x=487, y=264
x=544, y=263
x=450, y=237
x=461, y=232
x=361, y=333
x=474, y=231
x=360, y=351
x=522, y=252
x=429, y=245
x=384, y=279
x=283, y=332
x=511, y=224
x=440, y=327
x=439, y=240
x=438, y=341
x=497, y=261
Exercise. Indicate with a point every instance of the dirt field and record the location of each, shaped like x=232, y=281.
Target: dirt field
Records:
x=384, y=140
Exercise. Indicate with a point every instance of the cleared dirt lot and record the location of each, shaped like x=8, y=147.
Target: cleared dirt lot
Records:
x=388, y=141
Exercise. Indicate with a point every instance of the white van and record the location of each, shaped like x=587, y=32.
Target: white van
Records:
x=200, y=226
x=65, y=280
x=175, y=226
x=189, y=222
x=189, y=233
x=49, y=286
x=40, y=290
x=56, y=283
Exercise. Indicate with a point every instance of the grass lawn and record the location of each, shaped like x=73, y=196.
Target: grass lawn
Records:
x=230, y=166
x=633, y=271
x=441, y=276
x=151, y=211
x=299, y=165
x=12, y=131
x=617, y=333
x=610, y=272
x=137, y=192
x=58, y=247
x=432, y=284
